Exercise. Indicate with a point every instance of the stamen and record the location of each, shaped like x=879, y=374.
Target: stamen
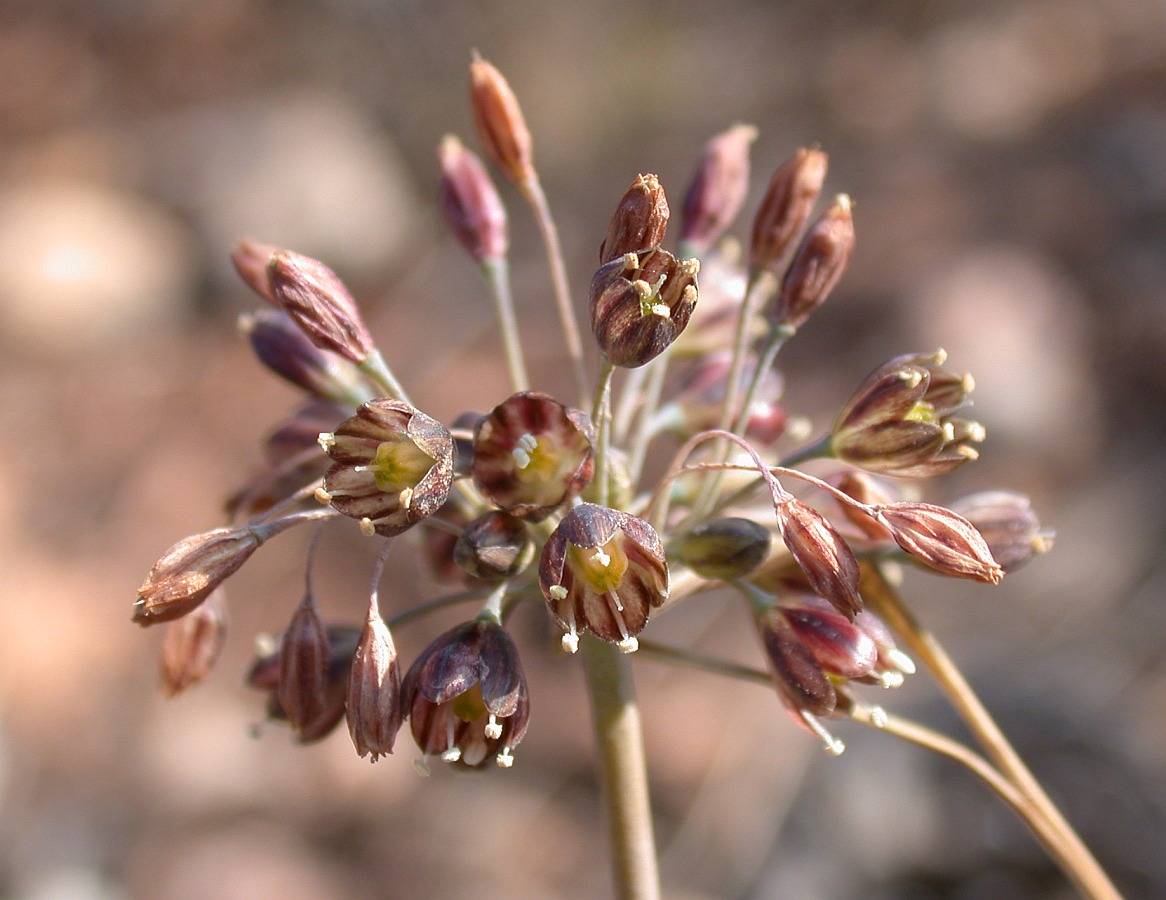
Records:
x=570, y=642
x=493, y=729
x=557, y=592
x=600, y=557
x=326, y=440
x=504, y=758
x=890, y=680
x=366, y=527
x=628, y=645
x=878, y=717
x=526, y=445
x=452, y=755
x=833, y=746
x=406, y=497
x=322, y=496
x=901, y=661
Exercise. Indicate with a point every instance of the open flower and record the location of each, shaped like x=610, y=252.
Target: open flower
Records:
x=466, y=696
x=392, y=466
x=603, y=571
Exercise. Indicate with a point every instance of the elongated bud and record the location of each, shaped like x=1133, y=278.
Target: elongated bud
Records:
x=786, y=208
x=823, y=555
x=374, y=689
x=718, y=188
x=498, y=118
x=724, y=548
x=303, y=667
x=250, y=260
x=639, y=221
x=944, y=540
x=817, y=266
x=317, y=299
x=1009, y=526
x=470, y=203
x=192, y=645
x=189, y=571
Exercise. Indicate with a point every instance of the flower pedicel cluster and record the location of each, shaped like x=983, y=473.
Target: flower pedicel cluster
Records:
x=539, y=500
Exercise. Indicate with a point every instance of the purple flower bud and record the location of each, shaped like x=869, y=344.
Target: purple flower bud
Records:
x=718, y=188
x=374, y=690
x=317, y=299
x=817, y=266
x=786, y=208
x=471, y=205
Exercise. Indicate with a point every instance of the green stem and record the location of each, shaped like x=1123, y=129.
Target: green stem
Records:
x=498, y=276
x=623, y=770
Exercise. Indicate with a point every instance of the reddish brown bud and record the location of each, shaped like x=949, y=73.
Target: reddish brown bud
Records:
x=817, y=265
x=471, y=205
x=374, y=689
x=838, y=645
x=392, y=466
x=639, y=222
x=466, y=696
x=603, y=571
x=786, y=208
x=501, y=128
x=317, y=299
x=494, y=546
x=640, y=303
x=944, y=540
x=1008, y=525
x=718, y=188
x=192, y=645
x=532, y=454
x=190, y=570
x=250, y=259
x=724, y=548
x=303, y=667
x=799, y=678
x=821, y=552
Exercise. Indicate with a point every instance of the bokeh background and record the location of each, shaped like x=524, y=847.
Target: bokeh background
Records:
x=1008, y=163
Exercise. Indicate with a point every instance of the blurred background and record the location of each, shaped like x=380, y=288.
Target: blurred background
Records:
x=1008, y=164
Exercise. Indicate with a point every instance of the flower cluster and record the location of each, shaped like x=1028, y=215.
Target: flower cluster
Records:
x=540, y=501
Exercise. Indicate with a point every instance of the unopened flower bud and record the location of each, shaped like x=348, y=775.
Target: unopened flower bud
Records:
x=501, y=128
x=838, y=645
x=471, y=205
x=797, y=675
x=639, y=222
x=821, y=552
x=317, y=299
x=942, y=539
x=494, y=546
x=282, y=346
x=603, y=571
x=303, y=667
x=392, y=466
x=374, y=689
x=640, y=303
x=532, y=454
x=250, y=259
x=718, y=188
x=192, y=645
x=817, y=266
x=724, y=548
x=189, y=571
x=466, y=696
x=786, y=208
x=1008, y=525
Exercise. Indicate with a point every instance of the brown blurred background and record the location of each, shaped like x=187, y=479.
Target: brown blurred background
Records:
x=1008, y=163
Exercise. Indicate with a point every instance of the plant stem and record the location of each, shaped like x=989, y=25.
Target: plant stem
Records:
x=498, y=276
x=1076, y=860
x=623, y=771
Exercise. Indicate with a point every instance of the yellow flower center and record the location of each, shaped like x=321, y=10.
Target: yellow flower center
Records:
x=922, y=412
x=469, y=707
x=602, y=568
x=537, y=459
x=399, y=463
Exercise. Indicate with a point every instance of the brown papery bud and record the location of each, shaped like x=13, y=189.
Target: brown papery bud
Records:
x=786, y=208
x=303, y=667
x=718, y=188
x=1006, y=521
x=471, y=205
x=192, y=645
x=189, y=571
x=817, y=266
x=317, y=299
x=639, y=222
x=374, y=689
x=944, y=540
x=822, y=553
x=502, y=130
x=250, y=260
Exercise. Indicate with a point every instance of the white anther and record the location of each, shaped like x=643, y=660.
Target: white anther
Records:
x=661, y=310
x=832, y=745
x=322, y=496
x=628, y=645
x=504, y=759
x=878, y=717
x=406, y=497
x=600, y=557
x=493, y=729
x=570, y=642
x=326, y=440
x=367, y=528
x=452, y=755
x=901, y=661
x=557, y=592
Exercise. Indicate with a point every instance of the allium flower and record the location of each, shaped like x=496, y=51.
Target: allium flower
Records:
x=603, y=571
x=941, y=539
x=192, y=644
x=1009, y=526
x=494, y=546
x=718, y=189
x=818, y=264
x=373, y=707
x=471, y=205
x=392, y=466
x=639, y=221
x=899, y=421
x=786, y=208
x=466, y=696
x=532, y=453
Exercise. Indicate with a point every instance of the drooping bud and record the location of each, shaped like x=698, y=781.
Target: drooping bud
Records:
x=494, y=546
x=798, y=677
x=1008, y=525
x=471, y=205
x=724, y=549
x=603, y=571
x=640, y=303
x=498, y=118
x=838, y=645
x=466, y=696
x=786, y=208
x=321, y=305
x=250, y=259
x=282, y=346
x=817, y=266
x=821, y=552
x=898, y=421
x=303, y=667
x=192, y=645
x=374, y=689
x=189, y=571
x=718, y=188
x=942, y=539
x=392, y=466
x=639, y=221
x=532, y=454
